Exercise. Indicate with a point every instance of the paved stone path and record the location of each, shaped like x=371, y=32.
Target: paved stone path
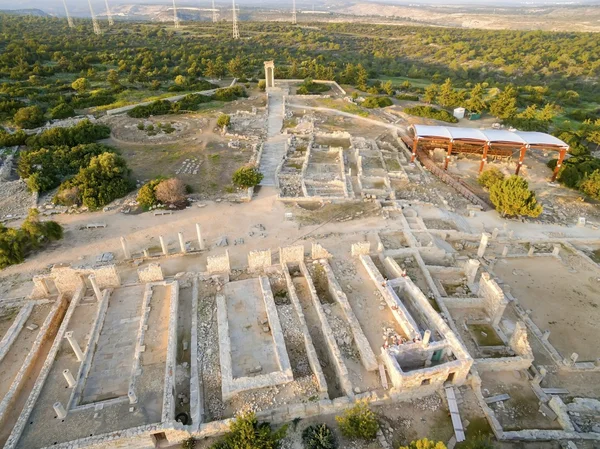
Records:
x=274, y=146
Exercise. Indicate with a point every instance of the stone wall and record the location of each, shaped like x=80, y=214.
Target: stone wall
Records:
x=494, y=300
x=218, y=264
x=15, y=328
x=318, y=252
x=361, y=248
x=291, y=254
x=169, y=392
x=152, y=273
x=67, y=279
x=259, y=260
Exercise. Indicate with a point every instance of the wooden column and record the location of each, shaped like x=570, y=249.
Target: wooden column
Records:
x=414, y=149
x=561, y=158
x=448, y=155
x=521, y=159
x=486, y=148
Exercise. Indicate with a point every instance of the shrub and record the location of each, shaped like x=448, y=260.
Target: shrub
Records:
x=247, y=176
x=229, y=93
x=318, y=437
x=11, y=140
x=140, y=126
x=69, y=196
x=358, y=422
x=490, y=177
x=83, y=132
x=247, y=433
x=262, y=85
x=81, y=85
x=513, y=197
x=591, y=185
x=190, y=443
x=170, y=191
x=408, y=97
x=310, y=87
x=376, y=102
x=146, y=196
x=159, y=107
x=223, y=120
x=191, y=102
x=29, y=117
x=62, y=110
x=424, y=444
x=431, y=112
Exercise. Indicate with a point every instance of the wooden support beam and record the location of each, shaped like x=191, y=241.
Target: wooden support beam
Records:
x=486, y=148
x=521, y=159
x=414, y=149
x=447, y=160
x=561, y=158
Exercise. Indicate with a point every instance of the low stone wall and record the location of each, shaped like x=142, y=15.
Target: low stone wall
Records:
x=67, y=279
x=152, y=273
x=494, y=300
x=361, y=248
x=170, y=392
x=17, y=430
x=259, y=260
x=218, y=264
x=318, y=252
x=15, y=329
x=291, y=254
x=196, y=396
x=367, y=356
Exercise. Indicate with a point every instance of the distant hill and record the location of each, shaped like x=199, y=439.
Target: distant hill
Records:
x=25, y=12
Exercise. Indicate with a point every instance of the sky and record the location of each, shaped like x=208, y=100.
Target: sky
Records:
x=56, y=5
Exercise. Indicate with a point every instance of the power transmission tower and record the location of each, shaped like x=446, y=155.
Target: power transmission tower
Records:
x=175, y=18
x=111, y=22
x=294, y=18
x=236, y=31
x=215, y=17
x=69, y=18
x=97, y=29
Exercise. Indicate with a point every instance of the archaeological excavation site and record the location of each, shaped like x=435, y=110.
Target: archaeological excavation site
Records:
x=358, y=271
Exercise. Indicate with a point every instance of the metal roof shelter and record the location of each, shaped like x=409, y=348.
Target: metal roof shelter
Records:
x=489, y=138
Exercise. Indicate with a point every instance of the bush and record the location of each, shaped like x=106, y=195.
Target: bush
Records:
x=407, y=97
x=159, y=107
x=83, y=132
x=310, y=87
x=358, y=422
x=171, y=191
x=63, y=110
x=146, y=196
x=513, y=197
x=431, y=112
x=376, y=102
x=591, y=185
x=490, y=177
x=262, y=85
x=424, y=444
x=246, y=177
x=223, y=120
x=190, y=443
x=229, y=93
x=191, y=102
x=12, y=140
x=29, y=117
x=318, y=437
x=246, y=433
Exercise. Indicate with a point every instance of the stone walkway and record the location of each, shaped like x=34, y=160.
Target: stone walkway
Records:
x=113, y=360
x=274, y=146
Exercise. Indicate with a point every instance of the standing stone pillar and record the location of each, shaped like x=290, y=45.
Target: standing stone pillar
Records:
x=125, y=248
x=269, y=74
x=74, y=346
x=181, y=242
x=132, y=397
x=556, y=251
x=505, y=251
x=60, y=411
x=531, y=250
x=546, y=335
x=163, y=245
x=485, y=238
x=471, y=268
x=200, y=241
x=426, y=338
x=97, y=291
x=495, y=233
x=69, y=378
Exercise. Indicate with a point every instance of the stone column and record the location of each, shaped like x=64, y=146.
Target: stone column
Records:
x=485, y=238
x=471, y=268
x=495, y=233
x=74, y=346
x=540, y=376
x=531, y=250
x=69, y=378
x=125, y=248
x=181, y=242
x=426, y=338
x=505, y=251
x=200, y=241
x=60, y=411
x=556, y=251
x=132, y=397
x=163, y=245
x=546, y=335
x=97, y=291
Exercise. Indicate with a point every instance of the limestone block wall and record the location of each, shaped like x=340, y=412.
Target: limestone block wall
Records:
x=291, y=254
x=361, y=248
x=218, y=264
x=13, y=331
x=169, y=392
x=494, y=300
x=152, y=273
x=67, y=278
x=318, y=252
x=259, y=260
x=40, y=290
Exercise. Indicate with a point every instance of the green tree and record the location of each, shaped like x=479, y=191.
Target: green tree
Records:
x=512, y=197
x=29, y=117
x=424, y=444
x=362, y=77
x=247, y=433
x=504, y=106
x=62, y=110
x=448, y=96
x=236, y=67
x=358, y=422
x=490, y=177
x=387, y=87
x=591, y=185
x=431, y=93
x=181, y=80
x=247, y=176
x=223, y=120
x=319, y=436
x=80, y=85
x=476, y=103
x=113, y=78
x=146, y=196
